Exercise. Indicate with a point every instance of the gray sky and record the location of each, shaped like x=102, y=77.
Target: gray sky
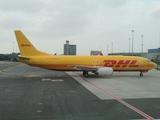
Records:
x=91, y=24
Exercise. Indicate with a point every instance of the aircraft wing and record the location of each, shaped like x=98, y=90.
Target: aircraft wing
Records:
x=86, y=68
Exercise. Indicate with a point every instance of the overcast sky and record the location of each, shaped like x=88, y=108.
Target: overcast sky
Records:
x=90, y=24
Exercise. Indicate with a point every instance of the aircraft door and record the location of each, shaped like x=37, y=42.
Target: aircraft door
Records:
x=40, y=60
x=141, y=63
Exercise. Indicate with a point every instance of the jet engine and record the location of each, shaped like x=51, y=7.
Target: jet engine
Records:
x=104, y=71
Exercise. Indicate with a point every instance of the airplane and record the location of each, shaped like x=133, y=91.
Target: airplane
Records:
x=99, y=65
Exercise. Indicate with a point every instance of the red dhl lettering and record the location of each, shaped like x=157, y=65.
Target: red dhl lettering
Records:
x=109, y=63
x=133, y=64
x=25, y=45
x=123, y=63
x=120, y=63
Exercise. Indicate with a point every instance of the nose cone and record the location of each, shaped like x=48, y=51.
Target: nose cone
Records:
x=154, y=65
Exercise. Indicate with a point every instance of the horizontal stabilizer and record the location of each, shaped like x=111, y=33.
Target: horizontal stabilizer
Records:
x=23, y=58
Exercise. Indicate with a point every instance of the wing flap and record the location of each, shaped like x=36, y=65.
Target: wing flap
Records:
x=86, y=68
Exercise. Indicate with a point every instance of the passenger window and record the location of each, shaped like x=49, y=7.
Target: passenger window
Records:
x=97, y=62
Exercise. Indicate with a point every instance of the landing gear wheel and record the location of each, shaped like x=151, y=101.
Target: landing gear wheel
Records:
x=141, y=74
x=85, y=74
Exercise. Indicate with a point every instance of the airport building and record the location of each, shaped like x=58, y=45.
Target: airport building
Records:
x=157, y=50
x=2, y=57
x=152, y=54
x=69, y=49
x=155, y=54
x=9, y=57
x=96, y=53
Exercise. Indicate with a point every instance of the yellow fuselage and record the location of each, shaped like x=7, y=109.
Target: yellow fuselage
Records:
x=68, y=63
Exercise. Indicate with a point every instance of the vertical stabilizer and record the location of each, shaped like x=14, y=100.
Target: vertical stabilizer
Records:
x=25, y=46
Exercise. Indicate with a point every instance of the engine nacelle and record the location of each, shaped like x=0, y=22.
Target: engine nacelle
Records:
x=104, y=71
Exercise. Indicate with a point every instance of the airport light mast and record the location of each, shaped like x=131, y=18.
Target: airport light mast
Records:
x=67, y=43
x=159, y=40
x=132, y=40
x=129, y=45
x=13, y=47
x=107, y=49
x=142, y=42
x=112, y=47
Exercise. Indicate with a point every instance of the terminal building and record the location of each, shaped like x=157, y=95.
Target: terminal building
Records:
x=154, y=50
x=9, y=57
x=96, y=53
x=69, y=49
x=152, y=54
x=156, y=53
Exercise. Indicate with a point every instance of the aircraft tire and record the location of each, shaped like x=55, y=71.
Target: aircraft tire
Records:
x=85, y=74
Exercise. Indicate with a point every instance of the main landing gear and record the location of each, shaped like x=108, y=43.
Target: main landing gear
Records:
x=141, y=73
x=85, y=74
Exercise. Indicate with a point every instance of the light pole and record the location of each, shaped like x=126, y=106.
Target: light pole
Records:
x=112, y=47
x=129, y=45
x=132, y=40
x=142, y=42
x=67, y=45
x=107, y=49
x=16, y=49
x=159, y=40
x=13, y=47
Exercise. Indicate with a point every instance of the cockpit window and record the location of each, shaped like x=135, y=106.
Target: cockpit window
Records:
x=148, y=61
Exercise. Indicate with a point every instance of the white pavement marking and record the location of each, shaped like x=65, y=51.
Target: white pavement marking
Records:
x=46, y=80
x=52, y=80
x=39, y=111
x=58, y=80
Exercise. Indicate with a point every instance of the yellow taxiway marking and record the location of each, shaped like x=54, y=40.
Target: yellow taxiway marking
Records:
x=27, y=75
x=12, y=67
x=31, y=75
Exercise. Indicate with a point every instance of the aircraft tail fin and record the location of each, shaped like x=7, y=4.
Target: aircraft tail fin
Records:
x=25, y=46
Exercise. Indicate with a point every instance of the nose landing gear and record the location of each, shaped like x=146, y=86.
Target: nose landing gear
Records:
x=141, y=73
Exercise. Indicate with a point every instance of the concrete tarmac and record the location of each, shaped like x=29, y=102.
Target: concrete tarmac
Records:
x=32, y=93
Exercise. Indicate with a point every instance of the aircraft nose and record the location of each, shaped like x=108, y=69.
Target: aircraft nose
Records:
x=155, y=65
